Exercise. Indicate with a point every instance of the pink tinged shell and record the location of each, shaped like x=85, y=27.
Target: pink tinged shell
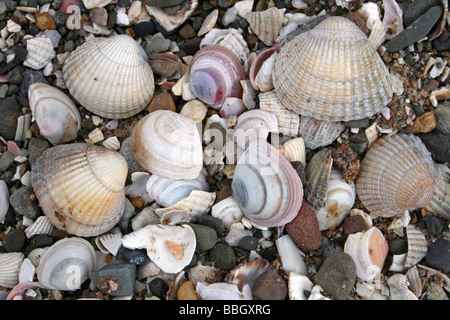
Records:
x=215, y=74
x=232, y=106
x=258, y=62
x=248, y=272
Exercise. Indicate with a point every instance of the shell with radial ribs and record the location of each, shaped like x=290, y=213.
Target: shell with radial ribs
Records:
x=10, y=263
x=417, y=246
x=168, y=145
x=55, y=113
x=317, y=172
x=110, y=77
x=40, y=53
x=440, y=202
x=81, y=187
x=317, y=133
x=266, y=186
x=332, y=73
x=397, y=174
x=266, y=24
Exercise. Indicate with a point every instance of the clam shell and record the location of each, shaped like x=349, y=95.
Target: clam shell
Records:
x=397, y=174
x=294, y=150
x=171, y=21
x=317, y=173
x=4, y=200
x=170, y=247
x=10, y=263
x=80, y=187
x=55, y=113
x=253, y=125
x=110, y=77
x=223, y=291
x=440, y=202
x=398, y=288
x=417, y=246
x=332, y=73
x=66, y=264
x=318, y=133
x=297, y=285
x=168, y=144
x=288, y=121
x=228, y=211
x=42, y=225
x=258, y=62
x=368, y=250
x=40, y=53
x=266, y=24
x=266, y=186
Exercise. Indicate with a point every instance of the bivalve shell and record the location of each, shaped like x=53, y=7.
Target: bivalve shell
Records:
x=10, y=263
x=317, y=173
x=168, y=145
x=318, y=133
x=110, y=77
x=223, y=291
x=171, y=21
x=332, y=73
x=398, y=288
x=228, y=211
x=440, y=202
x=40, y=53
x=397, y=174
x=266, y=24
x=81, y=187
x=417, y=246
x=253, y=125
x=294, y=150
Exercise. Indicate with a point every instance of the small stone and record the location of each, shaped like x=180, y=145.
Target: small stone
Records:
x=398, y=246
x=337, y=275
x=137, y=256
x=438, y=145
x=417, y=8
x=442, y=43
x=10, y=111
x=99, y=16
x=43, y=241
x=25, y=202
x=144, y=28
x=248, y=243
x=45, y=21
x=353, y=224
x=161, y=101
x=424, y=124
x=330, y=247
x=223, y=256
x=210, y=221
x=343, y=156
x=164, y=64
x=187, y=291
x=116, y=278
x=6, y=160
x=187, y=32
x=438, y=256
x=36, y=148
x=30, y=77
x=206, y=237
x=269, y=286
x=158, y=287
x=14, y=241
x=442, y=115
x=162, y=3
x=304, y=229
x=434, y=224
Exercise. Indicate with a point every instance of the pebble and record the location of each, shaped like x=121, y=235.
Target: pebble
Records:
x=248, y=243
x=30, y=77
x=45, y=21
x=165, y=65
x=424, y=123
x=398, y=246
x=223, y=256
x=438, y=144
x=10, y=111
x=144, y=28
x=116, y=278
x=25, y=202
x=337, y=275
x=161, y=101
x=187, y=291
x=14, y=241
x=442, y=43
x=43, y=241
x=438, y=256
x=434, y=224
x=353, y=224
x=442, y=115
x=206, y=237
x=36, y=148
x=417, y=8
x=6, y=160
x=158, y=287
x=213, y=222
x=304, y=229
x=269, y=286
x=137, y=256
x=416, y=31
x=162, y=3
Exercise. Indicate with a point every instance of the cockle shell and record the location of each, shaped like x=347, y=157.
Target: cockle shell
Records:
x=80, y=187
x=398, y=288
x=215, y=74
x=168, y=145
x=266, y=186
x=171, y=21
x=332, y=73
x=109, y=242
x=66, y=264
x=42, y=225
x=317, y=172
x=397, y=174
x=440, y=202
x=368, y=250
x=55, y=113
x=417, y=246
x=40, y=53
x=266, y=24
x=228, y=211
x=317, y=133
x=253, y=125
x=171, y=248
x=10, y=263
x=110, y=77
x=294, y=150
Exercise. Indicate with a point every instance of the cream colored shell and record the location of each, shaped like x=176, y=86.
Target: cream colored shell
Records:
x=10, y=263
x=80, y=187
x=266, y=24
x=110, y=77
x=332, y=73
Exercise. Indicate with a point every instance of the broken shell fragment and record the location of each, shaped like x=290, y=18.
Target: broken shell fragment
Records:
x=317, y=173
x=171, y=21
x=253, y=125
x=440, y=202
x=417, y=246
x=317, y=133
x=266, y=24
x=40, y=53
x=223, y=291
x=398, y=288
x=10, y=263
x=259, y=61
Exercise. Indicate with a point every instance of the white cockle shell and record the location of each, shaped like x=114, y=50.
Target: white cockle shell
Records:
x=10, y=263
x=440, y=202
x=169, y=145
x=40, y=53
x=228, y=211
x=266, y=24
x=55, y=113
x=110, y=77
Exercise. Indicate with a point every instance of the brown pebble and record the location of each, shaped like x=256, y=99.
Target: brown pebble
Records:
x=121, y=133
x=353, y=224
x=137, y=202
x=187, y=291
x=187, y=32
x=423, y=124
x=343, y=156
x=161, y=101
x=45, y=21
x=164, y=64
x=269, y=286
x=433, y=84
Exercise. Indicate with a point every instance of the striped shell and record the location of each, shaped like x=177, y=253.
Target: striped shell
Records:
x=317, y=133
x=40, y=53
x=397, y=174
x=110, y=77
x=317, y=172
x=417, y=246
x=42, y=225
x=80, y=187
x=266, y=24
x=332, y=73
x=10, y=263
x=440, y=202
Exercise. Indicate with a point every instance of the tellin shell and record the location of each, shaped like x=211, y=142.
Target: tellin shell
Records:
x=110, y=77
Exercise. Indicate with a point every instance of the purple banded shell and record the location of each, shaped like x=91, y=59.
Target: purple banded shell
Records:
x=258, y=62
x=215, y=74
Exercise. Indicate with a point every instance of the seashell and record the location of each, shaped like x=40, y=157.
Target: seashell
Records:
x=247, y=272
x=297, y=285
x=288, y=121
x=109, y=243
x=228, y=211
x=335, y=92
x=440, y=202
x=145, y=217
x=168, y=144
x=172, y=21
x=208, y=23
x=42, y=225
x=66, y=264
x=166, y=192
x=258, y=62
x=398, y=288
x=232, y=107
x=253, y=125
x=316, y=294
x=110, y=77
x=223, y=291
x=215, y=74
x=417, y=246
x=66, y=174
x=234, y=41
x=318, y=133
x=4, y=200
x=112, y=143
x=368, y=250
x=415, y=284
x=195, y=110
x=171, y=248
x=55, y=113
x=22, y=289
x=263, y=79
x=340, y=198
x=147, y=270
x=396, y=174
x=89, y=4
x=27, y=271
x=317, y=173
x=392, y=19
x=294, y=150
x=236, y=232
x=36, y=254
x=248, y=94
x=40, y=53
x=291, y=256
x=10, y=263
x=266, y=24
x=435, y=291
x=203, y=273
x=266, y=186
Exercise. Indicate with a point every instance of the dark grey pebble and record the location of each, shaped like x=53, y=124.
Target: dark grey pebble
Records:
x=442, y=115
x=361, y=123
x=43, y=241
x=210, y=221
x=442, y=43
x=438, y=144
x=337, y=275
x=14, y=241
x=417, y=8
x=269, y=286
x=330, y=247
x=137, y=256
x=438, y=256
x=416, y=31
x=30, y=77
x=158, y=287
x=398, y=246
x=223, y=256
x=6, y=160
x=117, y=278
x=434, y=224
x=248, y=243
x=10, y=111
x=162, y=3
x=144, y=28
x=36, y=148
x=25, y=202
x=206, y=237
